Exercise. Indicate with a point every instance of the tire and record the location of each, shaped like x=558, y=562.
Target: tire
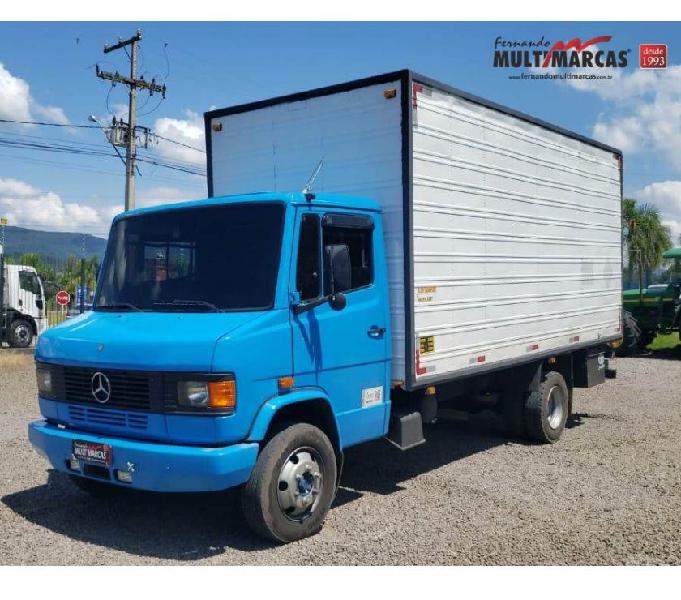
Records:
x=547, y=409
x=631, y=336
x=299, y=453
x=94, y=488
x=20, y=333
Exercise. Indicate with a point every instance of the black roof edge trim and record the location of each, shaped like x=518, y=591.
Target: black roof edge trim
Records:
x=514, y=113
x=307, y=94
x=399, y=75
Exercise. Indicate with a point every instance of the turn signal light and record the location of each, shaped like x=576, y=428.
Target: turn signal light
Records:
x=222, y=394
x=285, y=383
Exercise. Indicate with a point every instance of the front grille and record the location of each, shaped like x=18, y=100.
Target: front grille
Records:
x=134, y=391
x=129, y=390
x=112, y=418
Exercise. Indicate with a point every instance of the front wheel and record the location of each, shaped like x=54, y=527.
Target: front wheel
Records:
x=292, y=485
x=20, y=334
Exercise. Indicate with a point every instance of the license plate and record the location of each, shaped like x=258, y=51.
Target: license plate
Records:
x=92, y=452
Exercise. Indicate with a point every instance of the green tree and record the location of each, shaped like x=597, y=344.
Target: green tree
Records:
x=646, y=237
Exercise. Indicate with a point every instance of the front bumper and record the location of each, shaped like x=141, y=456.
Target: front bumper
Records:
x=156, y=467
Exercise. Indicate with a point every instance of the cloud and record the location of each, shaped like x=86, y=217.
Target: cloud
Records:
x=14, y=97
x=17, y=103
x=27, y=206
x=644, y=107
x=646, y=114
x=628, y=133
x=167, y=195
x=637, y=84
x=666, y=196
x=188, y=131
x=17, y=189
x=620, y=86
x=51, y=114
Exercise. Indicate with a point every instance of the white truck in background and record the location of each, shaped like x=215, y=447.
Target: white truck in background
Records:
x=22, y=304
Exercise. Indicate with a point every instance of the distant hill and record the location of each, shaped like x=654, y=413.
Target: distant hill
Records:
x=55, y=244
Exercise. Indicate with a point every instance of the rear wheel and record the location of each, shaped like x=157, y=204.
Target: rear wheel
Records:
x=20, y=334
x=292, y=485
x=547, y=409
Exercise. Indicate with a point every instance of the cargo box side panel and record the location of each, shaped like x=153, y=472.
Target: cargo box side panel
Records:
x=516, y=236
x=357, y=133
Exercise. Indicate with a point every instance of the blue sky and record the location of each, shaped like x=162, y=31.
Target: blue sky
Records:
x=48, y=74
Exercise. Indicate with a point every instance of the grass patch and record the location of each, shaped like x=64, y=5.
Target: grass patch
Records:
x=665, y=342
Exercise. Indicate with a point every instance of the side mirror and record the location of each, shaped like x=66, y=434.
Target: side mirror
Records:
x=39, y=303
x=338, y=301
x=339, y=268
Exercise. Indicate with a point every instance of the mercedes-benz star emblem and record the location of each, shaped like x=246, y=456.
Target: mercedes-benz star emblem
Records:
x=101, y=387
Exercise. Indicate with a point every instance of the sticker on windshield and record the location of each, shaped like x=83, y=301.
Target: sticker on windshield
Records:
x=371, y=396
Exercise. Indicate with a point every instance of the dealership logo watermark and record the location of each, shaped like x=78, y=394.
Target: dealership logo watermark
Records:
x=544, y=56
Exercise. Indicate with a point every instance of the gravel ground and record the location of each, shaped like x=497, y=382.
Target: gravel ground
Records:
x=607, y=493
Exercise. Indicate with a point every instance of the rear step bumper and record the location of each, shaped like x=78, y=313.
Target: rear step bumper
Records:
x=155, y=467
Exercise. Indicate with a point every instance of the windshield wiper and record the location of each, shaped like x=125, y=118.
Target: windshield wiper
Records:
x=118, y=306
x=189, y=303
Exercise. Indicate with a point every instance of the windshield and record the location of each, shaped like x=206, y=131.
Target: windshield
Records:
x=194, y=260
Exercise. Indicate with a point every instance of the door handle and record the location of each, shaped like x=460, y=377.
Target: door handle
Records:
x=375, y=331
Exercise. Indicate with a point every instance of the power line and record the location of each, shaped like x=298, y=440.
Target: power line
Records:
x=72, y=148
x=86, y=169
x=49, y=124
x=158, y=135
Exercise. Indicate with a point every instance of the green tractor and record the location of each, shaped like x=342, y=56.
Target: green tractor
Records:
x=653, y=310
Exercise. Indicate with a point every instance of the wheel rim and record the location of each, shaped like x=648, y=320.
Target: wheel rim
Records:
x=22, y=334
x=299, y=484
x=555, y=407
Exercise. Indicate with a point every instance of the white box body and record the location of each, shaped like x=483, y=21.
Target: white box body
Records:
x=502, y=233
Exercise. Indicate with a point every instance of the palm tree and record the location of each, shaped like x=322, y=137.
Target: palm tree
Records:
x=646, y=237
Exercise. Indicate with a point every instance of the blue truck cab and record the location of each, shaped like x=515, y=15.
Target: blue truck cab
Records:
x=235, y=340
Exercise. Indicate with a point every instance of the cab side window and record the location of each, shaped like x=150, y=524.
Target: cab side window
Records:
x=28, y=281
x=308, y=270
x=356, y=233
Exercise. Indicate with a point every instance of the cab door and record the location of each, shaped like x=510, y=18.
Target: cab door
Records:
x=31, y=301
x=344, y=353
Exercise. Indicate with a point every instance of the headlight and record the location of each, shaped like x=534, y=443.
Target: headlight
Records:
x=192, y=393
x=220, y=395
x=44, y=381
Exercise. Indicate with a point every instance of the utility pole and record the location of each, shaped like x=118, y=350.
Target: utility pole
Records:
x=133, y=84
